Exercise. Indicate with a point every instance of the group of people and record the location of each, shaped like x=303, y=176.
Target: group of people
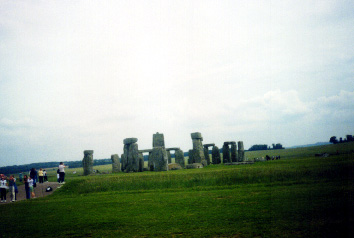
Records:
x=30, y=182
x=11, y=185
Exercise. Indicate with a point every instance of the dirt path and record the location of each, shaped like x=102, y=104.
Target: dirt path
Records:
x=40, y=191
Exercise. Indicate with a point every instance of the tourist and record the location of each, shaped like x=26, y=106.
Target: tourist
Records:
x=12, y=184
x=45, y=175
x=28, y=194
x=3, y=187
x=58, y=176
x=40, y=175
x=61, y=172
x=33, y=175
x=31, y=188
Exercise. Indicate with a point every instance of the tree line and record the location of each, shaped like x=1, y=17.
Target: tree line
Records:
x=334, y=139
x=266, y=147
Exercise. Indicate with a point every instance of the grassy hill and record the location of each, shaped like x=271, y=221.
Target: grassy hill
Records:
x=298, y=196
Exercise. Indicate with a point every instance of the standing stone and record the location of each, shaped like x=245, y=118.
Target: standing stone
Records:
x=169, y=157
x=233, y=152
x=141, y=162
x=159, y=159
x=190, y=157
x=158, y=140
x=115, y=163
x=206, y=155
x=87, y=162
x=241, y=152
x=131, y=153
x=179, y=158
x=198, y=152
x=225, y=153
x=216, y=158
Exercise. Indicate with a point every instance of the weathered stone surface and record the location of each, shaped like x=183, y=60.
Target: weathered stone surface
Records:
x=141, y=162
x=172, y=148
x=174, y=166
x=241, y=152
x=226, y=153
x=130, y=159
x=128, y=141
x=115, y=163
x=190, y=157
x=179, y=158
x=194, y=166
x=169, y=158
x=198, y=152
x=87, y=162
x=206, y=155
x=145, y=151
x=208, y=145
x=158, y=140
x=158, y=159
x=233, y=152
x=196, y=135
x=216, y=158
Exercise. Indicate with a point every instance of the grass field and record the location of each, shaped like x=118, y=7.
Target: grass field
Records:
x=297, y=196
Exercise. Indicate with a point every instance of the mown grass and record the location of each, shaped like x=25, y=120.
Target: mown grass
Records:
x=298, y=197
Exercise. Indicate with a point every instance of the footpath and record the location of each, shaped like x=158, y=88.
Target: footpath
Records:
x=40, y=191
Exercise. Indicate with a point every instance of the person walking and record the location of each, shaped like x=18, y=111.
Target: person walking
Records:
x=28, y=194
x=40, y=175
x=3, y=187
x=61, y=172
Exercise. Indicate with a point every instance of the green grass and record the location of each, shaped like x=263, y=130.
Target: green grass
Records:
x=298, y=196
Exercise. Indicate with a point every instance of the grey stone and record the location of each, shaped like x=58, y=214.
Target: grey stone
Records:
x=198, y=152
x=208, y=145
x=226, y=153
x=128, y=141
x=141, y=162
x=206, y=155
x=130, y=160
x=158, y=159
x=115, y=163
x=216, y=158
x=172, y=148
x=233, y=152
x=158, y=140
x=174, y=166
x=87, y=162
x=190, y=157
x=179, y=158
x=169, y=158
x=241, y=152
x=196, y=135
x=145, y=151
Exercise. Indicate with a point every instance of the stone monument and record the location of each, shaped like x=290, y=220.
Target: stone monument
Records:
x=158, y=159
x=179, y=158
x=131, y=155
x=198, y=152
x=215, y=153
x=87, y=162
x=226, y=153
x=241, y=152
x=233, y=151
x=115, y=163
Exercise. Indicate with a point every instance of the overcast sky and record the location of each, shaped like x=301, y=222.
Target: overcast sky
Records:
x=84, y=75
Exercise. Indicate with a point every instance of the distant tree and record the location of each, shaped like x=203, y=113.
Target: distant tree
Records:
x=340, y=140
x=350, y=138
x=258, y=147
x=333, y=140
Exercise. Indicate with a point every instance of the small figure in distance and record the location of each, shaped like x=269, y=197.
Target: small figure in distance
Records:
x=3, y=186
x=31, y=188
x=40, y=175
x=61, y=172
x=28, y=194
x=45, y=175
